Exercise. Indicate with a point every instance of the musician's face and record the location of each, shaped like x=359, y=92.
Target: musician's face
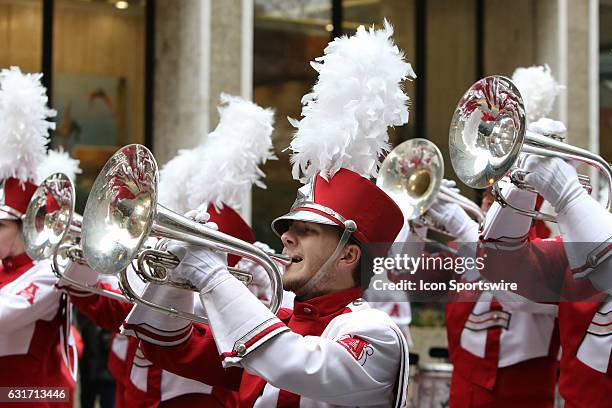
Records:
x=309, y=245
x=11, y=240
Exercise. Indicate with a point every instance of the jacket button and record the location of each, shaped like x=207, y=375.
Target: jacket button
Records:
x=240, y=350
x=307, y=310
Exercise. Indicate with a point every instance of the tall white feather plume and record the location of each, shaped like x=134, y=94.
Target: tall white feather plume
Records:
x=226, y=165
x=241, y=142
x=173, y=179
x=538, y=88
x=24, y=127
x=357, y=96
x=57, y=161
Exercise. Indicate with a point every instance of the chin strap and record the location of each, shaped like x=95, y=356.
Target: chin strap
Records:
x=349, y=228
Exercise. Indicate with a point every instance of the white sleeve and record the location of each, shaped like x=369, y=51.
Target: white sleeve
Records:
x=358, y=365
x=355, y=362
x=260, y=284
x=586, y=228
x=504, y=224
x=156, y=327
x=29, y=298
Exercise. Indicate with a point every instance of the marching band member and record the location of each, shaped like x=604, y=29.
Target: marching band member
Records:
x=332, y=349
x=239, y=144
x=585, y=325
x=502, y=356
x=36, y=344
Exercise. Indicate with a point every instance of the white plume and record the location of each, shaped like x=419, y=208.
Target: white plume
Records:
x=538, y=88
x=174, y=177
x=357, y=96
x=226, y=165
x=24, y=127
x=57, y=161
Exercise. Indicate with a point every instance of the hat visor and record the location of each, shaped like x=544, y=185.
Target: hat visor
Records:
x=281, y=224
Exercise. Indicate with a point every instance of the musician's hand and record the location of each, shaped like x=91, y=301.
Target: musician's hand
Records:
x=201, y=216
x=546, y=126
x=200, y=266
x=451, y=185
x=454, y=220
x=555, y=180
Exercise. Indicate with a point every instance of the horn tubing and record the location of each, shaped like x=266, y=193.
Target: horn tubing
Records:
x=171, y=225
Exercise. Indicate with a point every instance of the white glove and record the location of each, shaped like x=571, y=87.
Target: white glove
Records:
x=202, y=216
x=555, y=180
x=454, y=219
x=451, y=185
x=546, y=126
x=264, y=247
x=200, y=266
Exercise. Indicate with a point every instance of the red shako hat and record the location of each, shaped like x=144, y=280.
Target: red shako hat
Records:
x=342, y=135
x=346, y=196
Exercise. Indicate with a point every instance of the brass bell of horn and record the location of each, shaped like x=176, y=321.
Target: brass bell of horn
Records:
x=122, y=212
x=487, y=135
x=52, y=230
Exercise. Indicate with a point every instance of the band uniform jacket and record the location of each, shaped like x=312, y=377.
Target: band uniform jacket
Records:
x=585, y=326
x=36, y=345
x=501, y=357
x=139, y=382
x=333, y=350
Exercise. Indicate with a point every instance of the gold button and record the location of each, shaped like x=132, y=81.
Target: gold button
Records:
x=307, y=310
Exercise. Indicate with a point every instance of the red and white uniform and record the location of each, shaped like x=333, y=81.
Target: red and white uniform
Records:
x=139, y=382
x=503, y=354
x=36, y=347
x=333, y=350
x=501, y=357
x=585, y=327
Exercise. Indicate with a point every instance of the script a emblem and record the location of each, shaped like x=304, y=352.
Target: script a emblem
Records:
x=359, y=348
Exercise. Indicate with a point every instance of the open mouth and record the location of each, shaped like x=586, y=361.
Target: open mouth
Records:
x=296, y=259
